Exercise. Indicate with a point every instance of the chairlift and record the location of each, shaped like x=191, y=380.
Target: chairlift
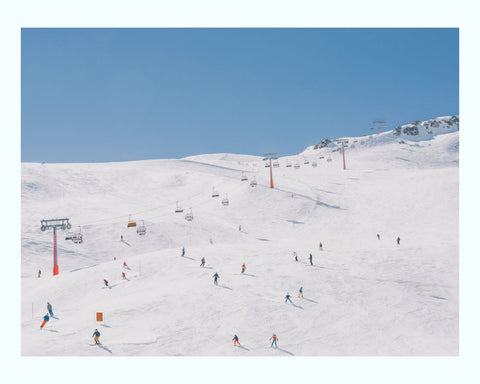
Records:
x=314, y=163
x=141, y=230
x=131, y=223
x=267, y=164
x=215, y=193
x=178, y=209
x=306, y=161
x=244, y=177
x=69, y=236
x=329, y=159
x=189, y=215
x=289, y=164
x=276, y=164
x=77, y=237
x=297, y=165
x=321, y=157
x=225, y=200
x=253, y=183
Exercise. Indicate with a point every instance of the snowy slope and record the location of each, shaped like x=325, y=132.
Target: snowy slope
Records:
x=363, y=296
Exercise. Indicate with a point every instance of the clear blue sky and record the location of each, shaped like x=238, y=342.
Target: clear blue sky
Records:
x=95, y=95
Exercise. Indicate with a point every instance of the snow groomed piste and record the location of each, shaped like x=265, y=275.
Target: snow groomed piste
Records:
x=362, y=294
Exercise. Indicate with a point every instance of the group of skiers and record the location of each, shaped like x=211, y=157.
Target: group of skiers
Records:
x=274, y=339
x=47, y=316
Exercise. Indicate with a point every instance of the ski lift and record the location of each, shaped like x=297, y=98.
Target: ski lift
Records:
x=329, y=159
x=225, y=200
x=69, y=236
x=306, y=161
x=77, y=237
x=253, y=183
x=289, y=164
x=276, y=164
x=178, y=209
x=321, y=157
x=215, y=193
x=131, y=223
x=189, y=215
x=244, y=177
x=267, y=164
x=141, y=230
x=297, y=165
x=314, y=163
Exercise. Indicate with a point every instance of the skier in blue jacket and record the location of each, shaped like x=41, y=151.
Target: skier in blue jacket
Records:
x=215, y=277
x=49, y=308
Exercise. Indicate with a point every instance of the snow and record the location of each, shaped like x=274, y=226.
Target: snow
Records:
x=362, y=296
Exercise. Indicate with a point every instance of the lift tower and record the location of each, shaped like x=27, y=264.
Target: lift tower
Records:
x=54, y=224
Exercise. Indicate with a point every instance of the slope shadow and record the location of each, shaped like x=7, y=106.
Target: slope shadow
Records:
x=105, y=325
x=208, y=267
x=79, y=269
x=224, y=286
x=439, y=297
x=285, y=351
x=318, y=202
x=295, y=222
x=258, y=238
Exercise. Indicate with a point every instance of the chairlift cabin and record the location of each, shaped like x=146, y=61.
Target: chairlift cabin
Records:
x=215, y=193
x=225, y=200
x=244, y=177
x=329, y=159
x=314, y=163
x=276, y=164
x=297, y=165
x=253, y=183
x=69, y=236
x=267, y=164
x=131, y=223
x=289, y=164
x=141, y=229
x=306, y=161
x=178, y=209
x=189, y=215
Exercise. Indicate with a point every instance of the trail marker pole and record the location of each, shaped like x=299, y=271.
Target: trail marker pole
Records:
x=54, y=224
x=343, y=153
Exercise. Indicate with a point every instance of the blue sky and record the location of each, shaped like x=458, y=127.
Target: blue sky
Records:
x=95, y=95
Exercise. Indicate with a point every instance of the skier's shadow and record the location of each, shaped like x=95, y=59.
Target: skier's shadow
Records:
x=224, y=286
x=297, y=306
x=249, y=274
x=208, y=267
x=52, y=330
x=241, y=346
x=124, y=242
x=186, y=257
x=312, y=301
x=105, y=325
x=105, y=348
x=285, y=351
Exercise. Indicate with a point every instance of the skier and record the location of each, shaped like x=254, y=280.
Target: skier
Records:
x=321, y=246
x=183, y=251
x=274, y=339
x=125, y=264
x=106, y=282
x=202, y=264
x=398, y=240
x=121, y=237
x=39, y=273
x=123, y=276
x=215, y=277
x=243, y=267
x=95, y=336
x=46, y=318
x=300, y=292
x=287, y=298
x=378, y=236
x=49, y=309
x=240, y=228
x=295, y=254
x=310, y=258
x=235, y=340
